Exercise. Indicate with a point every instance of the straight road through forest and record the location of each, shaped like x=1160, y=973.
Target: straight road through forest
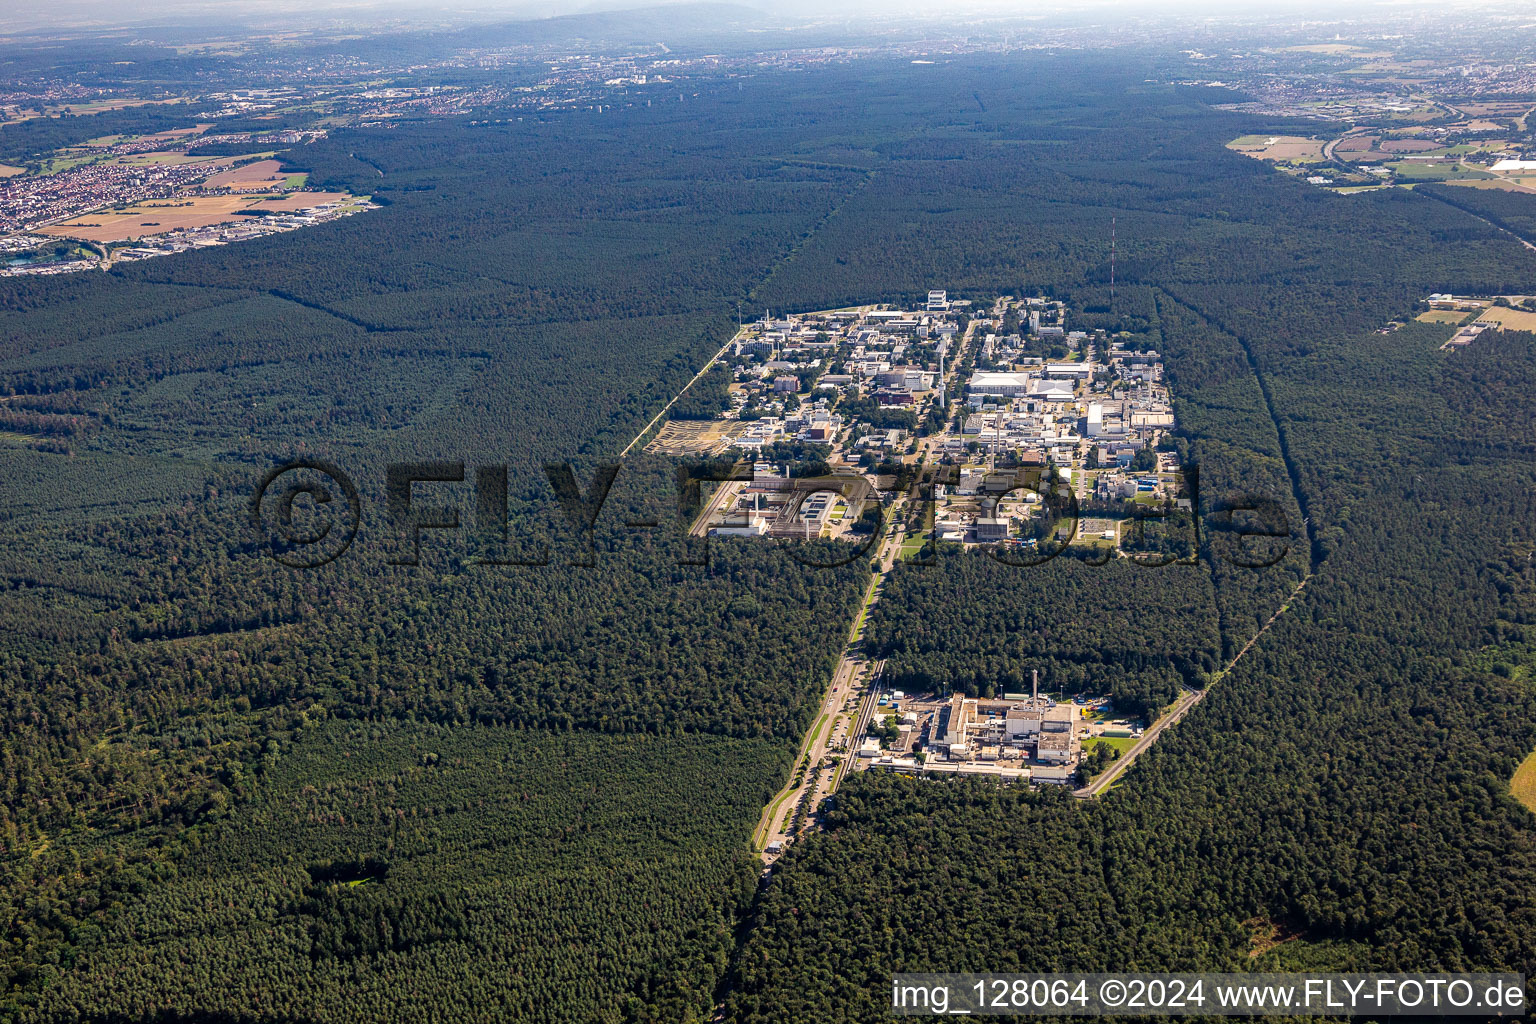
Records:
x=1185, y=702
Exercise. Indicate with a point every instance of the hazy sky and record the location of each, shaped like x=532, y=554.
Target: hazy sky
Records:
x=35, y=14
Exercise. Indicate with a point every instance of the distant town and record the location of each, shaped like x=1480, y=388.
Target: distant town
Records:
x=118, y=199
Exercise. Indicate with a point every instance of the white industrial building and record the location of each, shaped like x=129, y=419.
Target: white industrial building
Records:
x=1002, y=385
x=1069, y=371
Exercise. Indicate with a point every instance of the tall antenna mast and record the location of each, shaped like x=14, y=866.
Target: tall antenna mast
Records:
x=1111, y=265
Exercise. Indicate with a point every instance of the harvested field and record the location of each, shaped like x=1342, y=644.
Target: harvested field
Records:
x=1523, y=785
x=1357, y=144
x=1527, y=185
x=1493, y=108
x=1340, y=50
x=1279, y=147
x=102, y=105
x=1409, y=146
x=291, y=202
x=162, y=216
x=1513, y=319
x=261, y=176
x=6, y=170
x=168, y=157
x=173, y=134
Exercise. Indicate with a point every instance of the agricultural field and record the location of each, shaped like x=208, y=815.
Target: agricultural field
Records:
x=1408, y=146
x=1436, y=170
x=159, y=217
x=1353, y=144
x=262, y=175
x=1523, y=785
x=1510, y=319
x=85, y=108
x=1279, y=148
x=1526, y=184
x=79, y=156
x=105, y=105
x=1443, y=316
x=1494, y=108
x=158, y=157
x=1340, y=50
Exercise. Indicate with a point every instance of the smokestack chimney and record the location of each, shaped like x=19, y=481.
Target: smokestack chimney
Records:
x=1034, y=686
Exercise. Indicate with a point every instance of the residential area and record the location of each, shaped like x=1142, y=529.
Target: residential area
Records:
x=123, y=198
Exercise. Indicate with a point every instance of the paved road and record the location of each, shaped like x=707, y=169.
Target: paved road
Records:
x=1485, y=220
x=726, y=490
x=668, y=407
x=850, y=681
x=854, y=675
x=1185, y=702
x=816, y=742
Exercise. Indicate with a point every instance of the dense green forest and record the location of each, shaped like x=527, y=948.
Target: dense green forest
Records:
x=1511, y=211
x=522, y=298
x=472, y=872
x=517, y=792
x=1340, y=801
x=975, y=624
x=29, y=141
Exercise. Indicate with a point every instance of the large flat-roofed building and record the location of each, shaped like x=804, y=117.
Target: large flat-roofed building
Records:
x=1145, y=420
x=961, y=713
x=953, y=724
x=1051, y=391
x=1024, y=720
x=988, y=530
x=1002, y=385
x=1056, y=747
x=1064, y=715
x=1069, y=371
x=1059, y=775
x=1058, y=743
x=756, y=526
x=985, y=735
